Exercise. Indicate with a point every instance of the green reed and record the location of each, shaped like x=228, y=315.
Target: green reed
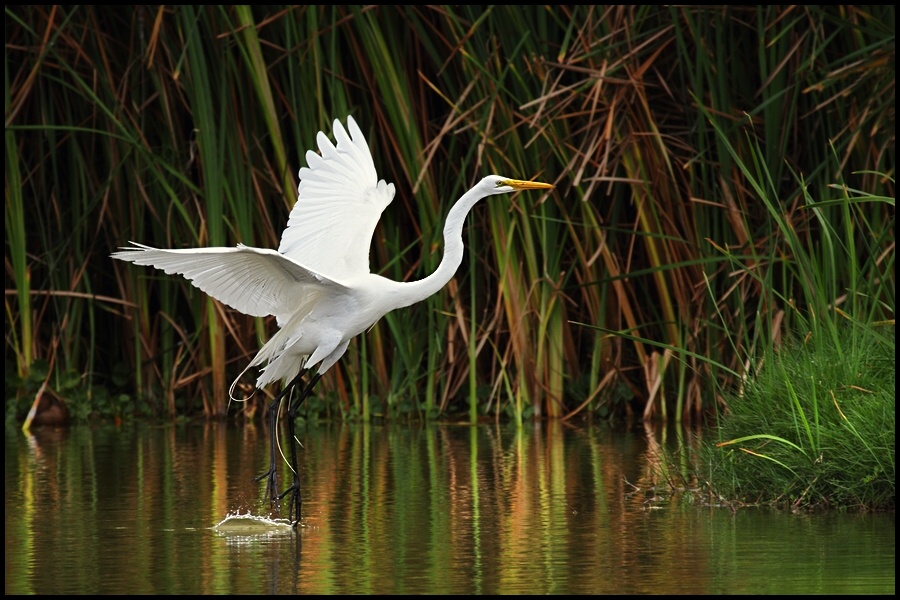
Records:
x=812, y=423
x=676, y=137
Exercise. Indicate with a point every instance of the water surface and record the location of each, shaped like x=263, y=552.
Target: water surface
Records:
x=399, y=509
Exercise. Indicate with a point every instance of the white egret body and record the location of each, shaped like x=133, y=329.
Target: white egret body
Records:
x=318, y=284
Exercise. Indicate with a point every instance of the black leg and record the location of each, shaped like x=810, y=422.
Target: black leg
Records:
x=294, y=501
x=271, y=475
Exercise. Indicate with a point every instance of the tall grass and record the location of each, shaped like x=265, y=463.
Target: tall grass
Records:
x=812, y=424
x=648, y=284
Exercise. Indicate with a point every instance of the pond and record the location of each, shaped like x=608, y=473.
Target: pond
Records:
x=551, y=508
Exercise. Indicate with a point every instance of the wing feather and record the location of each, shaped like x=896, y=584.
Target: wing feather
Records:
x=339, y=202
x=254, y=281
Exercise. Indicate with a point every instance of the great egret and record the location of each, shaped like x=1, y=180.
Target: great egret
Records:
x=318, y=283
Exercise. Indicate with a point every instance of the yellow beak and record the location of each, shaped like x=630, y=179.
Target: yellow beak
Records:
x=527, y=185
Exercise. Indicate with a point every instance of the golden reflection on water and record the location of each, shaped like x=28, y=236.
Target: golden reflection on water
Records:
x=550, y=508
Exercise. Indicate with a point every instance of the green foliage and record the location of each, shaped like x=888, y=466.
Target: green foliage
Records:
x=815, y=427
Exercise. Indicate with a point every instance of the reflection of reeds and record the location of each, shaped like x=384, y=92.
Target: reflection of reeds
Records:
x=687, y=145
x=542, y=509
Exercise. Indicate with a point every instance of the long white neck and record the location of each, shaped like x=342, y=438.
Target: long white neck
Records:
x=453, y=250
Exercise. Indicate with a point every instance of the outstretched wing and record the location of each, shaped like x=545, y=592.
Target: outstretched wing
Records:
x=254, y=281
x=339, y=202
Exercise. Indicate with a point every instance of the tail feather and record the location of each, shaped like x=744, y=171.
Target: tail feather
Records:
x=280, y=362
x=282, y=368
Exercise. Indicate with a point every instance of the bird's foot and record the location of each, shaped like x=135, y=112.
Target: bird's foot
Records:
x=271, y=477
x=293, y=493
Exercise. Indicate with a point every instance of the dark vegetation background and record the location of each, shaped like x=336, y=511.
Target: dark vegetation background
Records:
x=725, y=180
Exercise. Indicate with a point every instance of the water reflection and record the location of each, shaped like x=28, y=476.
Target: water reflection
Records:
x=551, y=508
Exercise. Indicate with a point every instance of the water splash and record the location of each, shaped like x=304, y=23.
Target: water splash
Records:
x=249, y=527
